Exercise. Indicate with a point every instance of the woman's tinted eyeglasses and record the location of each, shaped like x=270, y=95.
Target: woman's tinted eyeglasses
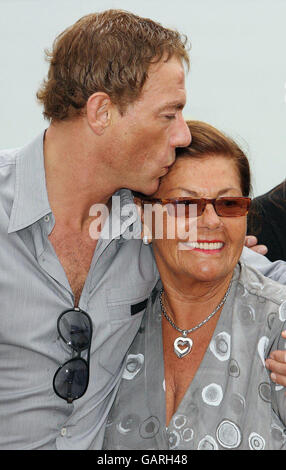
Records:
x=71, y=379
x=191, y=207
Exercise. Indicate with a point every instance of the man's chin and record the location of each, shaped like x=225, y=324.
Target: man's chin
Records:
x=150, y=189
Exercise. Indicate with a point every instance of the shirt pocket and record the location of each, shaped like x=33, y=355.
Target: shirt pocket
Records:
x=125, y=307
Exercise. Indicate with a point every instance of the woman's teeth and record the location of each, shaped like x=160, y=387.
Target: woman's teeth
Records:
x=205, y=246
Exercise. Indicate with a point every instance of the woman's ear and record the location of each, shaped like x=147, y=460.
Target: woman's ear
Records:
x=98, y=111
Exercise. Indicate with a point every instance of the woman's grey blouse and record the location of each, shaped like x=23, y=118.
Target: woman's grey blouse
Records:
x=231, y=402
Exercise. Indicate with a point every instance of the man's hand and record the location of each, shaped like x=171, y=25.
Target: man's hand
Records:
x=276, y=363
x=251, y=242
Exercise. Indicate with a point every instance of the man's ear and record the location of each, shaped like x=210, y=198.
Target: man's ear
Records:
x=98, y=112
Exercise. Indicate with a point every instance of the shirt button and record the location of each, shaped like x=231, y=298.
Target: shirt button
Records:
x=63, y=431
x=46, y=218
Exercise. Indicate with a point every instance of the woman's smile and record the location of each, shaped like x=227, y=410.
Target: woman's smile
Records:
x=203, y=246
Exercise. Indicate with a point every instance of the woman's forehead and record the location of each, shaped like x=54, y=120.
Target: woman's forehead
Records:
x=193, y=176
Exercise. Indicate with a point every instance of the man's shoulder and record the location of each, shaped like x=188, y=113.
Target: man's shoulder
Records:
x=272, y=197
x=263, y=287
x=8, y=157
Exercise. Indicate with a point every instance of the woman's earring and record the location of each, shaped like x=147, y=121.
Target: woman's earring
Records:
x=145, y=240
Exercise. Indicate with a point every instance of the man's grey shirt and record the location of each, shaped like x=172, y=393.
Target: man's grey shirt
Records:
x=34, y=291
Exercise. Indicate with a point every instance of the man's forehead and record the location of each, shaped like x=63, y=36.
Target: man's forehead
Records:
x=165, y=85
x=171, y=69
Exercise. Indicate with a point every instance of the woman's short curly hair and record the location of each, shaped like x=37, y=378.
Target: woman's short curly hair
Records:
x=109, y=52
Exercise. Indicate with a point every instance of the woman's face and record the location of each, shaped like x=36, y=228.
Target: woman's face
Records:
x=219, y=239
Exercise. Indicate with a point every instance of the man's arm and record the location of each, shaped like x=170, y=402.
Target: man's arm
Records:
x=274, y=270
x=276, y=363
x=252, y=242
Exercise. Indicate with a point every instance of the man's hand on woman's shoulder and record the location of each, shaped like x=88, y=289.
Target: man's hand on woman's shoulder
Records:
x=252, y=243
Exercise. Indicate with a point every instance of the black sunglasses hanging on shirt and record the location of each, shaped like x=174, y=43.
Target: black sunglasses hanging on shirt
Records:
x=71, y=379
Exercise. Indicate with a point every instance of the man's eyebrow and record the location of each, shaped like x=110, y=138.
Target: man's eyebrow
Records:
x=178, y=105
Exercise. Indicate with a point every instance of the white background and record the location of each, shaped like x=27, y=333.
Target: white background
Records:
x=237, y=79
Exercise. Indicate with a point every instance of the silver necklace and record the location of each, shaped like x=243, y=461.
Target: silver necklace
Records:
x=183, y=344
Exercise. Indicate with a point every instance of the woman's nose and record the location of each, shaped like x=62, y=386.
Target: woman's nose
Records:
x=209, y=218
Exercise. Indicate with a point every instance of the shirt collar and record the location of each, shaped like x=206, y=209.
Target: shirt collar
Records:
x=31, y=199
x=124, y=221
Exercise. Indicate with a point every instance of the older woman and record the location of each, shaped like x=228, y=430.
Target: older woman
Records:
x=195, y=375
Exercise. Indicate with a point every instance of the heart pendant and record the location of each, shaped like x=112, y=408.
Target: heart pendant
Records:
x=179, y=348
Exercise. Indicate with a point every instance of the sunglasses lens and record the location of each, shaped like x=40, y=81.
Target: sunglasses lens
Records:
x=177, y=209
x=187, y=209
x=75, y=329
x=171, y=209
x=70, y=380
x=194, y=208
x=232, y=207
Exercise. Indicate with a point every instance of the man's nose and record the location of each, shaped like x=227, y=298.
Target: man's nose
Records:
x=183, y=136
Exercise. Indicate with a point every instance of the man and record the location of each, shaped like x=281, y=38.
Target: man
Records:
x=114, y=97
x=267, y=220
x=71, y=303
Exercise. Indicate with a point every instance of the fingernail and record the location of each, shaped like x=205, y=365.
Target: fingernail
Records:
x=251, y=239
x=262, y=250
x=273, y=376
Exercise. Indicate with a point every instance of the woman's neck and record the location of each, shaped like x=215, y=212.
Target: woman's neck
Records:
x=191, y=303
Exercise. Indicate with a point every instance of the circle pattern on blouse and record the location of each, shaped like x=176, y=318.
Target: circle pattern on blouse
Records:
x=228, y=434
x=133, y=366
x=212, y=394
x=220, y=346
